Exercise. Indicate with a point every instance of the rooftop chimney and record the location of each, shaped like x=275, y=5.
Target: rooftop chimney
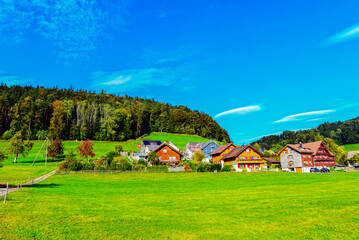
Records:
x=301, y=145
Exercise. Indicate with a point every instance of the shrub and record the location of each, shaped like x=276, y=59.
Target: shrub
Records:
x=75, y=165
x=331, y=169
x=216, y=167
x=140, y=167
x=227, y=168
x=244, y=170
x=188, y=169
x=121, y=163
x=202, y=167
x=192, y=166
x=142, y=162
x=111, y=155
x=162, y=168
x=88, y=166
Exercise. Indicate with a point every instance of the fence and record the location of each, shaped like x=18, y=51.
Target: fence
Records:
x=19, y=186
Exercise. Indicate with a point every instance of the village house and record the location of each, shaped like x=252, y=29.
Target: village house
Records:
x=148, y=145
x=207, y=148
x=272, y=161
x=218, y=154
x=303, y=157
x=245, y=157
x=168, y=154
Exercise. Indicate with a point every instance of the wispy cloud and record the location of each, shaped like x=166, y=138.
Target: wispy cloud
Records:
x=241, y=110
x=130, y=80
x=347, y=34
x=314, y=119
x=12, y=79
x=300, y=116
x=74, y=27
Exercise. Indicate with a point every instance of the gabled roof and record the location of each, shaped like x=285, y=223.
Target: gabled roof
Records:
x=168, y=145
x=237, y=151
x=151, y=142
x=309, y=148
x=191, y=145
x=222, y=148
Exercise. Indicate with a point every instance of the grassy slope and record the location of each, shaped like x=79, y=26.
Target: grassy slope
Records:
x=23, y=170
x=352, y=147
x=186, y=206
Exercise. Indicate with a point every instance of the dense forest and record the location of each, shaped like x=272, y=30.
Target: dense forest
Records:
x=341, y=132
x=79, y=114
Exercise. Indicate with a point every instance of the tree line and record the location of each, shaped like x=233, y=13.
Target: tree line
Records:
x=341, y=132
x=70, y=114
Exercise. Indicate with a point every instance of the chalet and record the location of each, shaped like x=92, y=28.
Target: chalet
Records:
x=148, y=145
x=168, y=154
x=245, y=157
x=302, y=157
x=218, y=154
x=207, y=148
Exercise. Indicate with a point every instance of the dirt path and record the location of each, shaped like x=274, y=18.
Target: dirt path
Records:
x=29, y=183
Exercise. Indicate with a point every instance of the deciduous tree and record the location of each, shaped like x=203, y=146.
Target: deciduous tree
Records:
x=58, y=120
x=86, y=149
x=198, y=157
x=56, y=148
x=17, y=146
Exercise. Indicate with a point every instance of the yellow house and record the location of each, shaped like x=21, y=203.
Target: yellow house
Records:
x=218, y=154
x=245, y=157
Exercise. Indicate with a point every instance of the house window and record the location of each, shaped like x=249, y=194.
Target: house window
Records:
x=248, y=150
x=174, y=158
x=165, y=150
x=241, y=165
x=290, y=157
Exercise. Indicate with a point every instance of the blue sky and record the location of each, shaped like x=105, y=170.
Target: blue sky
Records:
x=257, y=67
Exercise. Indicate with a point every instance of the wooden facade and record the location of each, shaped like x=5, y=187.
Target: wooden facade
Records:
x=218, y=154
x=168, y=154
x=244, y=157
x=302, y=157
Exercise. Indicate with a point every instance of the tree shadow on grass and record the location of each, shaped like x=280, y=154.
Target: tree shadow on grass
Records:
x=42, y=161
x=44, y=185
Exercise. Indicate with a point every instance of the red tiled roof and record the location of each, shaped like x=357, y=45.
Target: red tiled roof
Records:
x=309, y=148
x=237, y=151
x=222, y=148
x=168, y=145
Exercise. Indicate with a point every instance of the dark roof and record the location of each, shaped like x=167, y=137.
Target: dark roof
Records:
x=222, y=148
x=237, y=151
x=191, y=145
x=338, y=165
x=272, y=160
x=151, y=142
x=168, y=145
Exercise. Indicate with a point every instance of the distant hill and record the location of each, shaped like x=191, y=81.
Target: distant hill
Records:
x=341, y=132
x=81, y=114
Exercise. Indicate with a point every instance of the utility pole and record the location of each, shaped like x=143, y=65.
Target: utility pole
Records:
x=47, y=144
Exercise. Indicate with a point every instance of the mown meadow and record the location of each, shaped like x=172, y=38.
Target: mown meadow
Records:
x=185, y=206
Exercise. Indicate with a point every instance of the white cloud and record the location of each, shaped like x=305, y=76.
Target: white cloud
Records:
x=314, y=119
x=136, y=79
x=300, y=116
x=347, y=34
x=241, y=110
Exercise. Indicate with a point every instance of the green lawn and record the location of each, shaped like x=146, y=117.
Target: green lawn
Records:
x=352, y=147
x=185, y=206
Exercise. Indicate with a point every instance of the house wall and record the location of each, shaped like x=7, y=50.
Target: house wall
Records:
x=217, y=158
x=165, y=156
x=285, y=159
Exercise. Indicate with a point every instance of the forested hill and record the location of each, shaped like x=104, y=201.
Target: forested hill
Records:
x=341, y=132
x=70, y=114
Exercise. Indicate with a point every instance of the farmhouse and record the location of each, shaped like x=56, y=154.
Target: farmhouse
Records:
x=207, y=148
x=218, y=154
x=245, y=157
x=302, y=157
x=272, y=161
x=168, y=154
x=148, y=145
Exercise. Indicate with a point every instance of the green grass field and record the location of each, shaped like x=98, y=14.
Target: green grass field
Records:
x=352, y=147
x=185, y=206
x=23, y=170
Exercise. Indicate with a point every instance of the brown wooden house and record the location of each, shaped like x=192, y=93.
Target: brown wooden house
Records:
x=168, y=154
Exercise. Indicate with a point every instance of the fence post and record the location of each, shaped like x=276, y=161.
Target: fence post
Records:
x=7, y=187
x=18, y=184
